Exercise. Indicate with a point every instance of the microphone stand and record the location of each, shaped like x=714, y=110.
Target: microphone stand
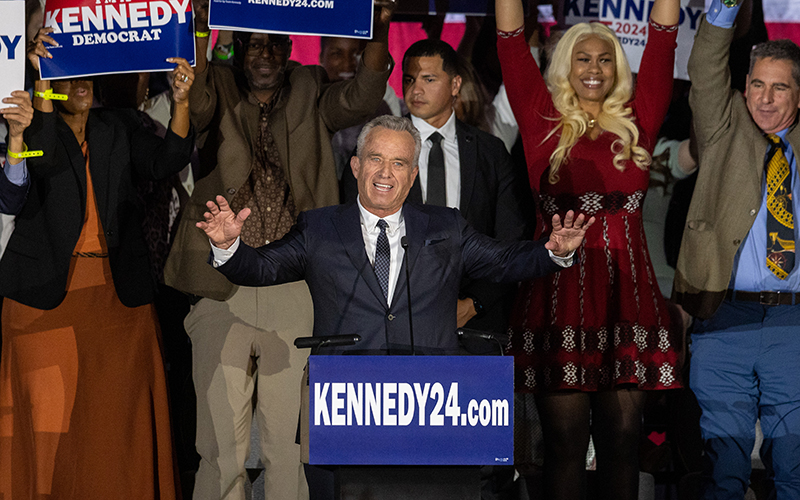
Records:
x=404, y=244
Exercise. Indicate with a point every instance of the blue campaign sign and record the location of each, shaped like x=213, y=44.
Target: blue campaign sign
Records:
x=345, y=18
x=97, y=37
x=411, y=410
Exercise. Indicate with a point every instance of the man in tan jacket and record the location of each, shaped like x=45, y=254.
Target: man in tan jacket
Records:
x=736, y=271
x=264, y=127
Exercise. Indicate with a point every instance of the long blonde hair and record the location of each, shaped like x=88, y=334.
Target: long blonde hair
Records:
x=615, y=116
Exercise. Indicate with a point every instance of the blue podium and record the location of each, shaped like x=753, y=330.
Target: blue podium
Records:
x=409, y=426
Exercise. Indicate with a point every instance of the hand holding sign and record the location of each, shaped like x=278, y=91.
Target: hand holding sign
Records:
x=36, y=48
x=200, y=15
x=18, y=116
x=182, y=79
x=384, y=17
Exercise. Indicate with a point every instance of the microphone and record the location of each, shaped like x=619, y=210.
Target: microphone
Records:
x=469, y=333
x=316, y=343
x=404, y=244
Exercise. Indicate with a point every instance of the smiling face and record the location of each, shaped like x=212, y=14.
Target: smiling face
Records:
x=339, y=57
x=428, y=90
x=592, y=72
x=80, y=95
x=264, y=71
x=772, y=94
x=385, y=170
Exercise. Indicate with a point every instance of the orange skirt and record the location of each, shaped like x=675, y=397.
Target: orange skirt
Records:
x=83, y=397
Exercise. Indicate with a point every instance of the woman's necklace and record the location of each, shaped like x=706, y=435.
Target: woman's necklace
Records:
x=592, y=122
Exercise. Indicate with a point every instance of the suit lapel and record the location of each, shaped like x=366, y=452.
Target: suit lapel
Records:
x=416, y=223
x=347, y=222
x=467, y=155
x=100, y=139
x=415, y=194
x=76, y=159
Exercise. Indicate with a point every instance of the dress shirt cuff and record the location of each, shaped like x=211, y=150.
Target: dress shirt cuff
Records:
x=222, y=256
x=565, y=261
x=720, y=16
x=17, y=174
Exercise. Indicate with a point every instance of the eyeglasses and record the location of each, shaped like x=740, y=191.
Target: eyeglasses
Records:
x=279, y=48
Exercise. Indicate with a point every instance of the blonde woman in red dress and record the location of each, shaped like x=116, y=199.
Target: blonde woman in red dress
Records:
x=590, y=339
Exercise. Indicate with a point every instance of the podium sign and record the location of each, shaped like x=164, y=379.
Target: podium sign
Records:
x=411, y=410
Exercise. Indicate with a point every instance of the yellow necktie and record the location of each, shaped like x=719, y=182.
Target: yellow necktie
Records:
x=780, y=221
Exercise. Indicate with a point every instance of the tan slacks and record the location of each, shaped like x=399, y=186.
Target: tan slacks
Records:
x=239, y=346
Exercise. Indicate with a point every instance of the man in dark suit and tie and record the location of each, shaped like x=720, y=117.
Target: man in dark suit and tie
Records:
x=352, y=257
x=464, y=168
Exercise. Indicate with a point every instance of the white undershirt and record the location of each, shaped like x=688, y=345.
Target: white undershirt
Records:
x=452, y=165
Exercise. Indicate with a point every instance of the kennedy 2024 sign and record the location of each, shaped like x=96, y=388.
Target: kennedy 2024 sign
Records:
x=411, y=410
x=629, y=20
x=117, y=36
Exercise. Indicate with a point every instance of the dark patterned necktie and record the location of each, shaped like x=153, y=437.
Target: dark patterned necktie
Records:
x=383, y=256
x=780, y=221
x=436, y=187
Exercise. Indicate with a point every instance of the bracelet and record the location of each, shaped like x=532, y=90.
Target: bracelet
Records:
x=730, y=3
x=202, y=34
x=25, y=153
x=48, y=95
x=223, y=52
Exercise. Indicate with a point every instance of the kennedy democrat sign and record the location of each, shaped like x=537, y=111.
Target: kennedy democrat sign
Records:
x=346, y=18
x=116, y=36
x=629, y=20
x=411, y=410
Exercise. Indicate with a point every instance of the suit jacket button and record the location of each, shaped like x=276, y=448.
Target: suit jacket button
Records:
x=753, y=211
x=736, y=242
x=231, y=190
x=390, y=317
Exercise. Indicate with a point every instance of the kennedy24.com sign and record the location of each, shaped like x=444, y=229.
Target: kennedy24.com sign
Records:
x=116, y=36
x=344, y=18
x=411, y=410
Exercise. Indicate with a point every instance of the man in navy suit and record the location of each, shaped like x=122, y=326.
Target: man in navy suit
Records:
x=351, y=256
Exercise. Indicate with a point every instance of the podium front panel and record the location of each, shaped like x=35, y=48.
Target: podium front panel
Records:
x=411, y=410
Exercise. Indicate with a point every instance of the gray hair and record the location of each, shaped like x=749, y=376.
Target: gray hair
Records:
x=390, y=122
x=780, y=50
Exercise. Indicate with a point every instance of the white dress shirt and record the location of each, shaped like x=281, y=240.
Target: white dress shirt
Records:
x=395, y=231
x=452, y=165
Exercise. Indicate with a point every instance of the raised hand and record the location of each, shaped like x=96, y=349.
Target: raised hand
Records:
x=182, y=79
x=20, y=115
x=383, y=18
x=18, y=118
x=568, y=236
x=200, y=15
x=36, y=48
x=221, y=225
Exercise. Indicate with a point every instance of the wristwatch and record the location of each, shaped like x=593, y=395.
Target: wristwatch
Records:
x=476, y=304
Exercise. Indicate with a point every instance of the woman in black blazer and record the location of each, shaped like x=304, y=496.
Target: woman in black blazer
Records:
x=82, y=377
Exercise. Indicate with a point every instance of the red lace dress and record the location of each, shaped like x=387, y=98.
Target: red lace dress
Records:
x=603, y=321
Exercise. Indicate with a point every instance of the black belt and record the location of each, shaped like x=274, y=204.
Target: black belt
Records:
x=765, y=298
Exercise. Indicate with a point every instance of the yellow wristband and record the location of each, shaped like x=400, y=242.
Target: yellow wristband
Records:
x=25, y=153
x=202, y=34
x=48, y=95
